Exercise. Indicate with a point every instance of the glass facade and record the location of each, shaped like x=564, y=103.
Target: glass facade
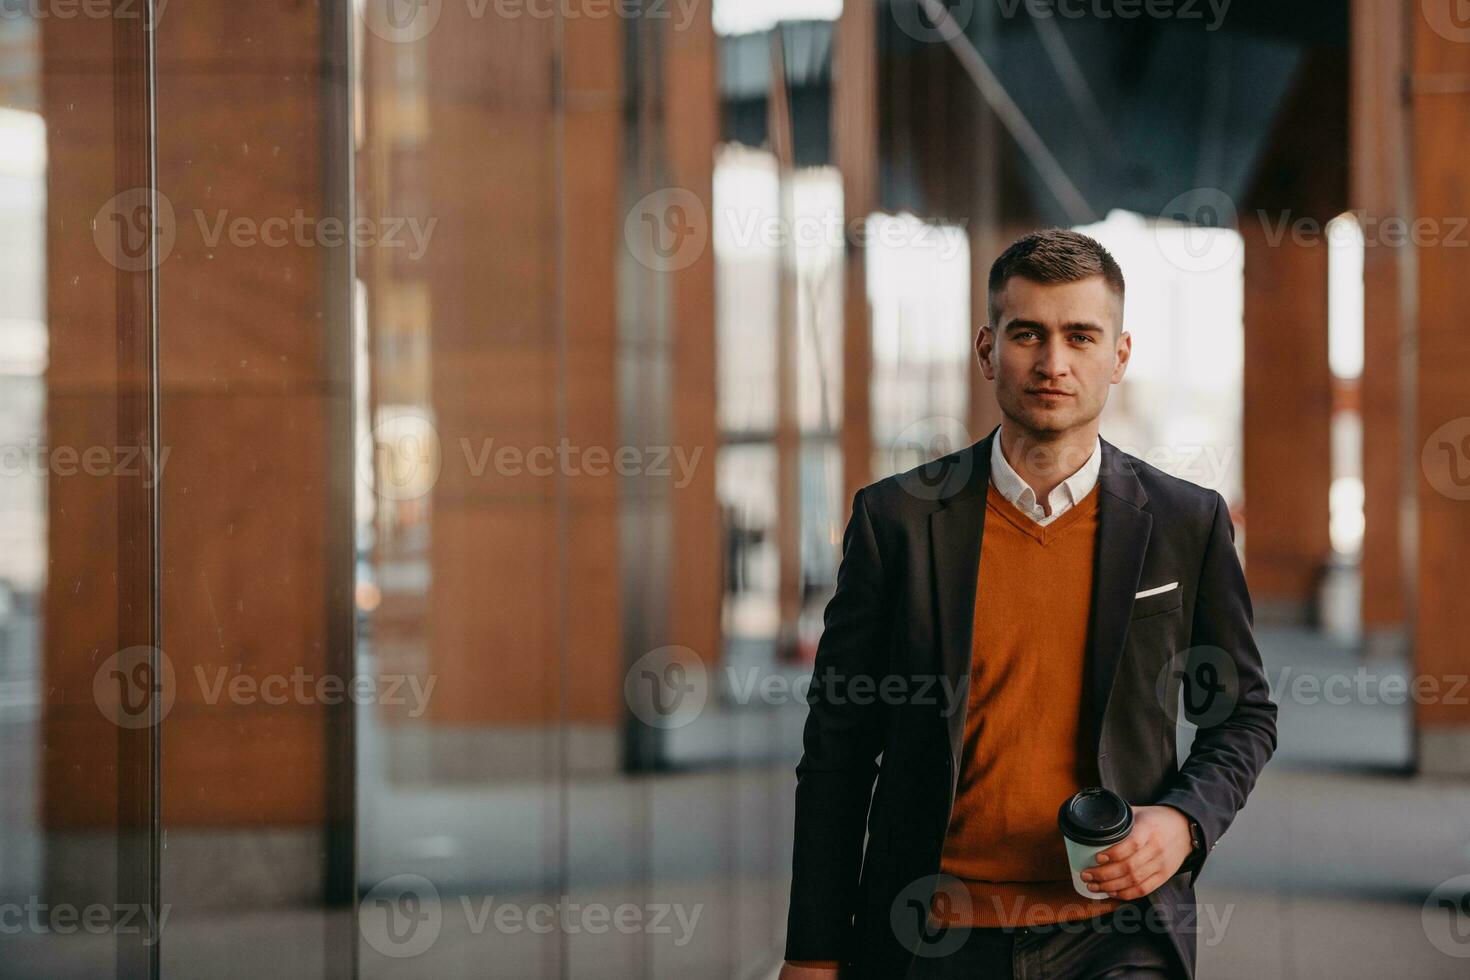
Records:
x=359, y=367
x=428, y=427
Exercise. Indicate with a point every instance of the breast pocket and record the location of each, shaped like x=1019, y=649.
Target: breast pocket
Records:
x=1158, y=600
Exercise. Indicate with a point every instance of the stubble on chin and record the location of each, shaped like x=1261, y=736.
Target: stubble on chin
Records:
x=1038, y=420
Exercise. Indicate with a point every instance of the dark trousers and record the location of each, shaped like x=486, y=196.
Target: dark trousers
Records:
x=1103, y=948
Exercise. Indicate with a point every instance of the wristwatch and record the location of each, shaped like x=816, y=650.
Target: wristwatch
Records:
x=1197, y=842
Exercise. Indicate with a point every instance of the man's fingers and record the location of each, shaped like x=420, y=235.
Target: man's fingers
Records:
x=1108, y=872
x=1125, y=885
x=1130, y=863
x=1120, y=851
x=1116, y=884
x=1142, y=888
x=1124, y=874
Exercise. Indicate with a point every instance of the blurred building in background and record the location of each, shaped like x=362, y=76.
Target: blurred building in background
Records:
x=429, y=430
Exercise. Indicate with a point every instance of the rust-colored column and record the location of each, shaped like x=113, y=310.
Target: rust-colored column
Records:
x=587, y=380
x=96, y=609
x=692, y=124
x=855, y=149
x=515, y=300
x=488, y=171
x=1441, y=117
x=1379, y=189
x=253, y=408
x=989, y=235
x=244, y=398
x=1286, y=418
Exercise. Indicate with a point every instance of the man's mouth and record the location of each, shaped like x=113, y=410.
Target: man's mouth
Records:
x=1048, y=391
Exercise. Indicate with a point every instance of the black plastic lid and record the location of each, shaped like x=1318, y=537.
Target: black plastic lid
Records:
x=1096, y=816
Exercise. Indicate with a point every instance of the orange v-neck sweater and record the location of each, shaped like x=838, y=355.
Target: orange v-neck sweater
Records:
x=1022, y=721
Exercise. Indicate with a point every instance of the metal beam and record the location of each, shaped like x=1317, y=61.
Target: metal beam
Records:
x=1072, y=200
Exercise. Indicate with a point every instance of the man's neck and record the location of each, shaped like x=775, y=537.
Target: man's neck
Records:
x=1045, y=459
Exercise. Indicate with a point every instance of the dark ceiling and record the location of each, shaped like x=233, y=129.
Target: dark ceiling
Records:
x=1132, y=112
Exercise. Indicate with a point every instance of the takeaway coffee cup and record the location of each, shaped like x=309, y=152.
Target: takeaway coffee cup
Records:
x=1092, y=821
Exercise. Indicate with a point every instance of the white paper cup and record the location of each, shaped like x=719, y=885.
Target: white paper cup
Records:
x=1081, y=857
x=1091, y=821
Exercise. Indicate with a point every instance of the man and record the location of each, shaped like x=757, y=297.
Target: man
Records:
x=995, y=681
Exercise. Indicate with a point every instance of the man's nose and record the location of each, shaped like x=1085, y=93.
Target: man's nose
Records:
x=1052, y=360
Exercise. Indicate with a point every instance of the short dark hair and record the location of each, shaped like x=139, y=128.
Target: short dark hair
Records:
x=1053, y=256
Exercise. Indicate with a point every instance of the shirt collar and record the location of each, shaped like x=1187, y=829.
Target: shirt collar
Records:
x=1016, y=490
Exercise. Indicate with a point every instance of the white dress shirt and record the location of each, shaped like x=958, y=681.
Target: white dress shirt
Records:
x=1062, y=498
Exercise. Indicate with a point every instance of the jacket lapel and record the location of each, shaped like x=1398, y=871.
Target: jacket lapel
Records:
x=955, y=532
x=1122, y=540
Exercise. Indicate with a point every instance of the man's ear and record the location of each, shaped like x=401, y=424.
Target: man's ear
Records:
x=1123, y=353
x=984, y=348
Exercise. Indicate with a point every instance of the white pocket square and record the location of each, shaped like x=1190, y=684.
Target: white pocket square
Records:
x=1163, y=588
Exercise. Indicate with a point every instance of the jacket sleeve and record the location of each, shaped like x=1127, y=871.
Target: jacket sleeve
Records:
x=841, y=741
x=1227, y=756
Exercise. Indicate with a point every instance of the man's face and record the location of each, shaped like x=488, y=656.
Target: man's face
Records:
x=1054, y=351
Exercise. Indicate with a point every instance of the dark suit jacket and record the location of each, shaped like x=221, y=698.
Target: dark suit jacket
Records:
x=893, y=664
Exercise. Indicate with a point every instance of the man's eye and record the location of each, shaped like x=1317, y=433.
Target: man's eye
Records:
x=1085, y=338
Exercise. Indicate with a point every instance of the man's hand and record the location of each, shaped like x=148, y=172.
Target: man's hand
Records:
x=790, y=971
x=1148, y=857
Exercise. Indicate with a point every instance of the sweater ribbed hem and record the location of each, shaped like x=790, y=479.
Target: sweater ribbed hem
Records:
x=1015, y=903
